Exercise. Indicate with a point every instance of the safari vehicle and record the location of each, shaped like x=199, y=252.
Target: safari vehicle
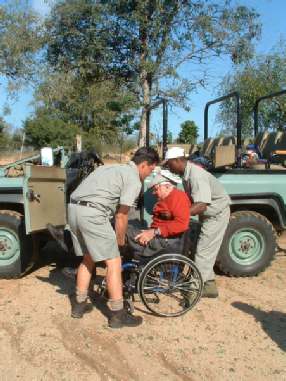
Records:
x=32, y=195
x=258, y=193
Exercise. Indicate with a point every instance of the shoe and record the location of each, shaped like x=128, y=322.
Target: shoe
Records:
x=210, y=289
x=123, y=318
x=79, y=309
x=58, y=235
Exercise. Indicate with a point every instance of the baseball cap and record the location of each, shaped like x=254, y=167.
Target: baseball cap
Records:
x=174, y=153
x=164, y=177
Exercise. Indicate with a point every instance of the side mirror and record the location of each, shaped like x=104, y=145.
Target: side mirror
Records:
x=47, y=157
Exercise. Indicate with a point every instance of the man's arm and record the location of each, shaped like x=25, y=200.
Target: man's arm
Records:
x=121, y=224
x=198, y=208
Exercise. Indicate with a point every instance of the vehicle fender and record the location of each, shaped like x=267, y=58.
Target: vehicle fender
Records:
x=272, y=200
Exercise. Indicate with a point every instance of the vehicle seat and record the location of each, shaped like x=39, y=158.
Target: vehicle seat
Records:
x=271, y=143
x=229, y=140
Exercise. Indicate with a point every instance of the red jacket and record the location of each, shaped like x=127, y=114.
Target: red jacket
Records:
x=177, y=203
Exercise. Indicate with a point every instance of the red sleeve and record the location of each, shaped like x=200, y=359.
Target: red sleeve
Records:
x=179, y=204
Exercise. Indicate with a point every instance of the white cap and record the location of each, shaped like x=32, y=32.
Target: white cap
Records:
x=174, y=152
x=164, y=177
x=170, y=176
x=158, y=179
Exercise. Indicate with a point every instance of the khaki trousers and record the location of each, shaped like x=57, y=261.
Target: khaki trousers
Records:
x=209, y=242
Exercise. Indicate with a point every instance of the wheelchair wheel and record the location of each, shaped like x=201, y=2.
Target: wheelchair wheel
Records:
x=170, y=285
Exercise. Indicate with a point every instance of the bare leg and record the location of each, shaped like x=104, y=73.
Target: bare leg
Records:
x=84, y=273
x=79, y=306
x=114, y=279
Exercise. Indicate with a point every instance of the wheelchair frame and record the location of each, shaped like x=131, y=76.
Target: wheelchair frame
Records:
x=169, y=284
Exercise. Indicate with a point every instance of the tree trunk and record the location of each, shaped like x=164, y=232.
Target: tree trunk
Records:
x=145, y=85
x=146, y=104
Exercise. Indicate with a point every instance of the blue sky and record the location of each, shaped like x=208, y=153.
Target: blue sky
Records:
x=272, y=15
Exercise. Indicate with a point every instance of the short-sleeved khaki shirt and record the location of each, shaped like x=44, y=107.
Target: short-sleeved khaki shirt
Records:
x=204, y=187
x=110, y=186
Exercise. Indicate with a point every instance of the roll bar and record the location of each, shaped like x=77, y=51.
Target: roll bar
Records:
x=255, y=108
x=235, y=95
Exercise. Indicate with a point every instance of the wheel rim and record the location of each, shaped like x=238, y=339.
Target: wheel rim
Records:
x=171, y=288
x=9, y=246
x=246, y=246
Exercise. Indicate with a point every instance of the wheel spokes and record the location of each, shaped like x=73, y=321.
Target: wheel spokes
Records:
x=176, y=287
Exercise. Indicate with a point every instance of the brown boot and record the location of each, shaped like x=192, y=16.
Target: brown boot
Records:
x=79, y=309
x=210, y=289
x=123, y=318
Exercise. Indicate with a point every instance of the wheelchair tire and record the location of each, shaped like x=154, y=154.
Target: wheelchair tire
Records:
x=170, y=285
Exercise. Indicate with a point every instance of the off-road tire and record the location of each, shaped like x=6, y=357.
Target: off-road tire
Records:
x=254, y=230
x=16, y=248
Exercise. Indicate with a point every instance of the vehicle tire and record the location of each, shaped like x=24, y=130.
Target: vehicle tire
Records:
x=16, y=248
x=248, y=246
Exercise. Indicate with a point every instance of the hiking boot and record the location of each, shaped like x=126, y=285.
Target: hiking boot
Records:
x=210, y=289
x=123, y=318
x=78, y=309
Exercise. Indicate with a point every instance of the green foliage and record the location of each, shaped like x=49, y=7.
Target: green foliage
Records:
x=188, y=133
x=44, y=130
x=98, y=62
x=147, y=41
x=21, y=38
x=263, y=75
x=101, y=108
x=4, y=135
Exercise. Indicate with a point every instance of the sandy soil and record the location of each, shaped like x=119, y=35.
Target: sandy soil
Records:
x=239, y=336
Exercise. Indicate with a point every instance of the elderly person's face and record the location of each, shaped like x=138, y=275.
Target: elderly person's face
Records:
x=161, y=191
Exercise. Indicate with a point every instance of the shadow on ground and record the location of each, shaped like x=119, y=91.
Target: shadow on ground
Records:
x=273, y=322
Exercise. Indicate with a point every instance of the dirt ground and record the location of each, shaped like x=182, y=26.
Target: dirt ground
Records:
x=239, y=336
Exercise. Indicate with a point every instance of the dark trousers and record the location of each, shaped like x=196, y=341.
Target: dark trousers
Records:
x=154, y=246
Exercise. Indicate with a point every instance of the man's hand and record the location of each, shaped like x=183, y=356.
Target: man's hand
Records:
x=198, y=208
x=145, y=236
x=121, y=223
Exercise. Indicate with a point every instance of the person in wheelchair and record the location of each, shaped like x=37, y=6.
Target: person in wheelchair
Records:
x=171, y=218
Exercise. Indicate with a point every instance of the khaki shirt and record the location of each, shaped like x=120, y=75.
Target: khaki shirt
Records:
x=110, y=186
x=204, y=187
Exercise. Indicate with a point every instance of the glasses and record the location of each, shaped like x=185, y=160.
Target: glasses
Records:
x=157, y=187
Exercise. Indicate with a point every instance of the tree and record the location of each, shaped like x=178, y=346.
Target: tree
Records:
x=98, y=108
x=21, y=38
x=45, y=130
x=146, y=42
x=265, y=74
x=170, y=138
x=188, y=133
x=138, y=46
x=4, y=135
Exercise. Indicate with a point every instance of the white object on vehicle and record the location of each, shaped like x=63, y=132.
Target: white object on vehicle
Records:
x=47, y=156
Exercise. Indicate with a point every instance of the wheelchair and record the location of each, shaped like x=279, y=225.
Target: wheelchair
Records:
x=169, y=283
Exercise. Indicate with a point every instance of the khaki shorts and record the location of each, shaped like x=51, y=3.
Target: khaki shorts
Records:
x=92, y=233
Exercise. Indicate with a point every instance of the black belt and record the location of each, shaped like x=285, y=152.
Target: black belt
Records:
x=83, y=203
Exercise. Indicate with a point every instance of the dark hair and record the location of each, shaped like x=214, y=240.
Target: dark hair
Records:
x=146, y=154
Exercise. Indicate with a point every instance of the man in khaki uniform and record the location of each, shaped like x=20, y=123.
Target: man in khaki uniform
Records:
x=107, y=193
x=211, y=203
